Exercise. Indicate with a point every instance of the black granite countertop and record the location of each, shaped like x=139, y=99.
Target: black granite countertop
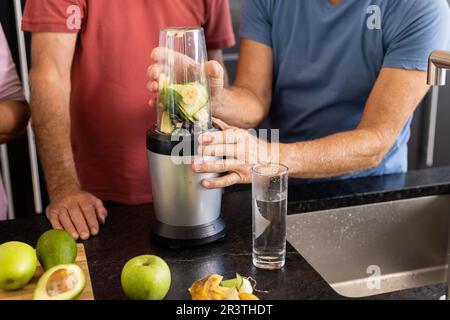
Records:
x=127, y=234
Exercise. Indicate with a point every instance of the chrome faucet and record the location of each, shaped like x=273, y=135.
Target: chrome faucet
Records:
x=438, y=64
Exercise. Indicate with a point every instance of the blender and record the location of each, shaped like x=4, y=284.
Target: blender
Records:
x=185, y=213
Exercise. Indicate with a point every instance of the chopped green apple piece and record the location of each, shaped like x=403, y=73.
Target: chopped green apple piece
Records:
x=164, y=81
x=170, y=99
x=194, y=97
x=202, y=118
x=166, y=125
x=185, y=114
x=189, y=104
x=242, y=284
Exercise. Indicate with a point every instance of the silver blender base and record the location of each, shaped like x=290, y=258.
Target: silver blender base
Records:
x=185, y=213
x=188, y=236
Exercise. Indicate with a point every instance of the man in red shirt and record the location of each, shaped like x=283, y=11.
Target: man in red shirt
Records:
x=89, y=97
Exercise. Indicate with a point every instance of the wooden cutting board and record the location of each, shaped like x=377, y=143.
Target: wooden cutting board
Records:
x=27, y=292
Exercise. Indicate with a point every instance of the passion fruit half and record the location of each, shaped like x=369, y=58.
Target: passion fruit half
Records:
x=63, y=282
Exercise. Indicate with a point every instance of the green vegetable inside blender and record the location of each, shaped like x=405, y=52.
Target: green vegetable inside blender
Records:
x=184, y=106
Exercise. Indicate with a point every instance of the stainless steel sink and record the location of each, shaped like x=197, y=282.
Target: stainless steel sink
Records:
x=377, y=248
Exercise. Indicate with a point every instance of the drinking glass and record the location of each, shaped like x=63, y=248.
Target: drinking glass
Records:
x=269, y=196
x=184, y=90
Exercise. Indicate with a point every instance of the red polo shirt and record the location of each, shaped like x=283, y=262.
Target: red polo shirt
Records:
x=109, y=101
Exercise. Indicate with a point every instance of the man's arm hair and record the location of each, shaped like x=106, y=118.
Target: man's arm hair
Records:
x=52, y=56
x=247, y=102
x=392, y=102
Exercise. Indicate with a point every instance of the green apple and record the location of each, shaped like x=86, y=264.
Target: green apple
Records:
x=18, y=263
x=146, y=278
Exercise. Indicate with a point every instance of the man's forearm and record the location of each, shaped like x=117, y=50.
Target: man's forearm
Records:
x=335, y=155
x=51, y=123
x=238, y=107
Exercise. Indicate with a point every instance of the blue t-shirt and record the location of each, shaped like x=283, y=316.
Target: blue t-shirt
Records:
x=327, y=59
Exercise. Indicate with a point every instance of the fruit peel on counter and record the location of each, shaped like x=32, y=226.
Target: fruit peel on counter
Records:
x=213, y=287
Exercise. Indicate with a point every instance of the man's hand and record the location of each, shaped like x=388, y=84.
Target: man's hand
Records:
x=241, y=150
x=213, y=69
x=77, y=212
x=247, y=102
x=70, y=208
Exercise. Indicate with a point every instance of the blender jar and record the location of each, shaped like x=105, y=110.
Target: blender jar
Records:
x=184, y=91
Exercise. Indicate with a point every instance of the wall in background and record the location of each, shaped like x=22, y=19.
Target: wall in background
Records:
x=231, y=55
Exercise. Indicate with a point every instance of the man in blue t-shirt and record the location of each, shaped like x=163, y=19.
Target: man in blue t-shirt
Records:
x=340, y=79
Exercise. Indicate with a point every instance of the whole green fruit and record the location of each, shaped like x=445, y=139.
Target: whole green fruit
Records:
x=56, y=247
x=146, y=278
x=17, y=265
